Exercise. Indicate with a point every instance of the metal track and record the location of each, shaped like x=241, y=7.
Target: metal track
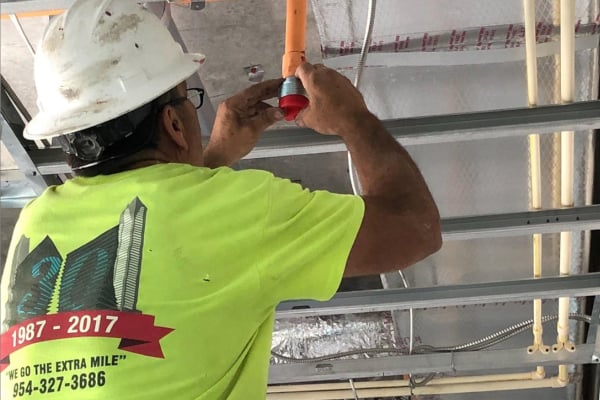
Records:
x=441, y=296
x=468, y=361
x=580, y=116
x=522, y=223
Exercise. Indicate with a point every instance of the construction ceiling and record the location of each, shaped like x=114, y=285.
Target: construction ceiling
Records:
x=449, y=78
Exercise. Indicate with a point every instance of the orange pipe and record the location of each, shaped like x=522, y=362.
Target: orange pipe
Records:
x=295, y=37
x=41, y=13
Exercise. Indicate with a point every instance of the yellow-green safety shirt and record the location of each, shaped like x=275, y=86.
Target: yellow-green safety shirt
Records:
x=162, y=282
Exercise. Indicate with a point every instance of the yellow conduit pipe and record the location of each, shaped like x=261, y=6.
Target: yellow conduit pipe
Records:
x=397, y=383
x=535, y=174
x=567, y=94
x=429, y=389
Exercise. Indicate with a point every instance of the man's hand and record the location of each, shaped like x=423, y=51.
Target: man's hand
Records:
x=335, y=104
x=240, y=121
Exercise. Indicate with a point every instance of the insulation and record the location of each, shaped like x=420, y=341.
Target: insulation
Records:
x=309, y=337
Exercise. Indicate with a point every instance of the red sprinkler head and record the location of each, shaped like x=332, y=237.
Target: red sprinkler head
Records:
x=292, y=104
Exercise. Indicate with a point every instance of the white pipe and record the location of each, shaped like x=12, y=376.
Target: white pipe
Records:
x=429, y=389
x=530, y=52
x=567, y=94
x=567, y=78
x=567, y=53
x=535, y=172
x=538, y=330
x=567, y=156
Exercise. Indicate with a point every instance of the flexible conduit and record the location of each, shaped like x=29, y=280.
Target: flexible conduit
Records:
x=366, y=42
x=354, y=180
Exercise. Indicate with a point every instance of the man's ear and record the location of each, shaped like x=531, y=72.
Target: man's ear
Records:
x=173, y=126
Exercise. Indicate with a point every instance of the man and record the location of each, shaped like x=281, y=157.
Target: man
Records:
x=155, y=273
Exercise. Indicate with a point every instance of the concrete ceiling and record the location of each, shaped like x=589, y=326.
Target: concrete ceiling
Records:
x=236, y=34
x=233, y=35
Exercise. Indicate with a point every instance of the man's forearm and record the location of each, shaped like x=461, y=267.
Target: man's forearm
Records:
x=401, y=224
x=384, y=167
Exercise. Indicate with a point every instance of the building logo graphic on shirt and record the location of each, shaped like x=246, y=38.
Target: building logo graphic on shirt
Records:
x=91, y=293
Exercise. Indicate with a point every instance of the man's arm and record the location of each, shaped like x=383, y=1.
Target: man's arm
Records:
x=401, y=224
x=240, y=121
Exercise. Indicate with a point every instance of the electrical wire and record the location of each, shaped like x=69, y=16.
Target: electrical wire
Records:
x=352, y=173
x=366, y=42
x=375, y=350
x=509, y=332
x=493, y=339
x=411, y=336
x=354, y=179
x=476, y=345
x=411, y=331
x=422, y=382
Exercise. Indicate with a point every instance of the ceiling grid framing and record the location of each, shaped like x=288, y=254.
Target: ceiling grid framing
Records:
x=468, y=178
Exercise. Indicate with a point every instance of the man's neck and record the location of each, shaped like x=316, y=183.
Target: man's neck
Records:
x=145, y=158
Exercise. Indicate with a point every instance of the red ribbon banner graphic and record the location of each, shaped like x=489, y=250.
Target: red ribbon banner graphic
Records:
x=137, y=331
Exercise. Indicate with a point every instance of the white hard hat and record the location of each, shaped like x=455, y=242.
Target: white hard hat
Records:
x=100, y=60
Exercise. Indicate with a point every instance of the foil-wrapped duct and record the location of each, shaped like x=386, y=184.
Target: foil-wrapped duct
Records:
x=308, y=337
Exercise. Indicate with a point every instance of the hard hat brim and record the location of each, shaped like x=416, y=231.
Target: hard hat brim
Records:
x=46, y=125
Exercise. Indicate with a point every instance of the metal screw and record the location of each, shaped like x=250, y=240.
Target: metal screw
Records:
x=198, y=5
x=256, y=72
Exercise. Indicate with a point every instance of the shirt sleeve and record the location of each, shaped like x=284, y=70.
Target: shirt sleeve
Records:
x=306, y=241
